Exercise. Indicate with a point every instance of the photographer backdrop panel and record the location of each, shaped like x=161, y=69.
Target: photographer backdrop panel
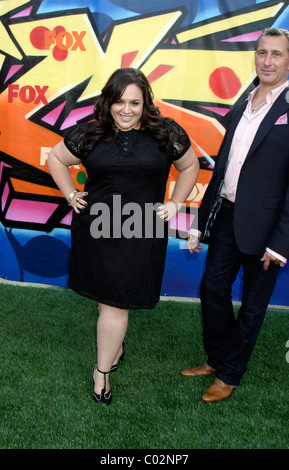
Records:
x=55, y=57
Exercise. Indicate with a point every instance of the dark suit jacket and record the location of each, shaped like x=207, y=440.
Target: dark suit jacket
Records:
x=261, y=214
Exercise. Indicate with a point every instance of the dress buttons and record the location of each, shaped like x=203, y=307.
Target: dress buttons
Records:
x=127, y=142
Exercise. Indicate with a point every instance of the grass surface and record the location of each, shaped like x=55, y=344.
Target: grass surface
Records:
x=47, y=339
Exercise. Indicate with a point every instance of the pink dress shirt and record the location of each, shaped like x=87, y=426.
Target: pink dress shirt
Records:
x=241, y=143
x=243, y=138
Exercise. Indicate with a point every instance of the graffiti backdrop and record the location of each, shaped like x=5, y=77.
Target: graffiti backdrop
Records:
x=55, y=57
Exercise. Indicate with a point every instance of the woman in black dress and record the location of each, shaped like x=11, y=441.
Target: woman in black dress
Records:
x=119, y=230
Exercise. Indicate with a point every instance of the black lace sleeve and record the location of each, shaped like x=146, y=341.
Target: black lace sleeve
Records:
x=74, y=140
x=180, y=140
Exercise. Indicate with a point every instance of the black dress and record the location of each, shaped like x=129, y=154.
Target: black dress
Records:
x=118, y=243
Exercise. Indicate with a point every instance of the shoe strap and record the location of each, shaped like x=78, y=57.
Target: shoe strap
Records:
x=104, y=373
x=100, y=371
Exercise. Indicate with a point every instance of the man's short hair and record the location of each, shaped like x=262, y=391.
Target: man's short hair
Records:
x=273, y=32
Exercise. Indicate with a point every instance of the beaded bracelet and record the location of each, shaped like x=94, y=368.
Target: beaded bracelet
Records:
x=70, y=197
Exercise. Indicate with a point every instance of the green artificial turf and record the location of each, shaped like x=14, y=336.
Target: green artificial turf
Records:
x=47, y=353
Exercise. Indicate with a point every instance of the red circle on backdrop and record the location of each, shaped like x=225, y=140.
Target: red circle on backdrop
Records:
x=37, y=37
x=224, y=83
x=59, y=54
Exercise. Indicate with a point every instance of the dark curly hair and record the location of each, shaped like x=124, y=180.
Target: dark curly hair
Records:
x=103, y=127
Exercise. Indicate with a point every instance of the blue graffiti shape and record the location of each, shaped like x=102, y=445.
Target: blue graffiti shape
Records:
x=43, y=255
x=151, y=6
x=226, y=6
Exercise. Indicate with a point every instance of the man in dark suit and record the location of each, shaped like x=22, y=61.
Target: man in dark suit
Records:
x=244, y=218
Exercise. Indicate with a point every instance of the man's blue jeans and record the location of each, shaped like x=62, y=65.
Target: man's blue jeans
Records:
x=229, y=341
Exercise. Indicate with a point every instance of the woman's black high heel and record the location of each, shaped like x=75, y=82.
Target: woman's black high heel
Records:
x=102, y=398
x=121, y=358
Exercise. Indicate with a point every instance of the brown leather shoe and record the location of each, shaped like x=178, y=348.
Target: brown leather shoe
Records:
x=200, y=370
x=218, y=391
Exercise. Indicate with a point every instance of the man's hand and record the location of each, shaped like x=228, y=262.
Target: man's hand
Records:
x=268, y=258
x=193, y=243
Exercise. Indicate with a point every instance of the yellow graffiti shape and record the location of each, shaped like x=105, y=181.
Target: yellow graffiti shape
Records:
x=191, y=71
x=8, y=5
x=90, y=60
x=139, y=37
x=229, y=23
